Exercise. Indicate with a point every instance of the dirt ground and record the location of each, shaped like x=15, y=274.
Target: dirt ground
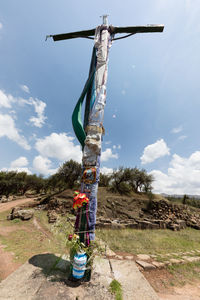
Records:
x=161, y=280
x=9, y=205
x=7, y=264
x=164, y=284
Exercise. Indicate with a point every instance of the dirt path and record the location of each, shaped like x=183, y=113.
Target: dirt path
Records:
x=187, y=292
x=9, y=205
x=161, y=282
x=7, y=264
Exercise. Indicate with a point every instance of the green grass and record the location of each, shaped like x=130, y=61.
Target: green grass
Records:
x=26, y=240
x=158, y=242
x=185, y=273
x=116, y=289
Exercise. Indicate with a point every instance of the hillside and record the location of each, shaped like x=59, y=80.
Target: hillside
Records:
x=134, y=211
x=110, y=205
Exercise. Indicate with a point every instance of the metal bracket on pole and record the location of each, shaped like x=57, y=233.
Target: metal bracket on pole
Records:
x=105, y=19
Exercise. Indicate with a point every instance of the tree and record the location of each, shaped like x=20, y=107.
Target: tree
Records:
x=185, y=197
x=120, y=180
x=70, y=172
x=125, y=180
x=56, y=181
x=104, y=180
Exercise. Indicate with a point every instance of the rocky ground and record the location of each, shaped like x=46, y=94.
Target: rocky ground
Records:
x=137, y=211
x=150, y=265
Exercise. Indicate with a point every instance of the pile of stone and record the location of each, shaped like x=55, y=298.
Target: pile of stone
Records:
x=5, y=199
x=140, y=224
x=174, y=215
x=52, y=216
x=159, y=214
x=18, y=213
x=60, y=206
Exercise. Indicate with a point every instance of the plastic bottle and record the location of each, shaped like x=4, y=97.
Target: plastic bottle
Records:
x=79, y=265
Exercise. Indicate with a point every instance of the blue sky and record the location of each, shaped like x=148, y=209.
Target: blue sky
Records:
x=152, y=110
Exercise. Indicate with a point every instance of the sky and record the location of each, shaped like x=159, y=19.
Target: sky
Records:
x=152, y=110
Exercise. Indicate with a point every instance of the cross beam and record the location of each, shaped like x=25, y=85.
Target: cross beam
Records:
x=114, y=30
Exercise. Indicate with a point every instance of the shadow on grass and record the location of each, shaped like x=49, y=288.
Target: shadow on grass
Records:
x=55, y=268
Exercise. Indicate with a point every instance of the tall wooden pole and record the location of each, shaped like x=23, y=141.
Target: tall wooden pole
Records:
x=90, y=133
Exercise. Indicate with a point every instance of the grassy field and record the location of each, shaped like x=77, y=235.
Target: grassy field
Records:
x=25, y=240
x=151, y=241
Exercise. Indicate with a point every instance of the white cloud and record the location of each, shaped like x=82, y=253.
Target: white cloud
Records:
x=1, y=25
x=117, y=147
x=39, y=107
x=19, y=162
x=18, y=165
x=26, y=170
x=6, y=99
x=106, y=171
x=59, y=146
x=182, y=137
x=182, y=177
x=108, y=142
x=154, y=151
x=177, y=129
x=114, y=116
x=42, y=165
x=25, y=88
x=8, y=129
x=107, y=154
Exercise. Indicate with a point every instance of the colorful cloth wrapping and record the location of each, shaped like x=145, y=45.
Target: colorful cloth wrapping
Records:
x=93, y=125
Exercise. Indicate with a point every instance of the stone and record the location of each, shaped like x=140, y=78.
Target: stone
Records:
x=109, y=252
x=174, y=227
x=153, y=256
x=3, y=199
x=147, y=225
x=41, y=278
x=192, y=259
x=23, y=214
x=52, y=216
x=175, y=261
x=157, y=264
x=132, y=225
x=168, y=263
x=133, y=282
x=161, y=223
x=119, y=257
x=128, y=257
x=181, y=223
x=146, y=266
x=143, y=257
x=102, y=220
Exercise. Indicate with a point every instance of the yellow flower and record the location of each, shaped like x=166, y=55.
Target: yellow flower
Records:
x=76, y=236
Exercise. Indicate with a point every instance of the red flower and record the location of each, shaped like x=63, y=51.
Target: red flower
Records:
x=79, y=199
x=70, y=237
